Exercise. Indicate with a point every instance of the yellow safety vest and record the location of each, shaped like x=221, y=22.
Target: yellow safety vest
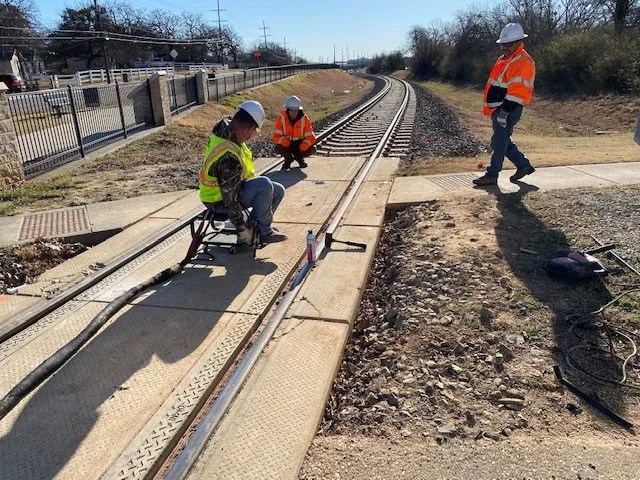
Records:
x=209, y=189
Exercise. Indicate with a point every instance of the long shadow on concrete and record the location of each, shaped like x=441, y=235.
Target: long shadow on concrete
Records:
x=520, y=227
x=60, y=415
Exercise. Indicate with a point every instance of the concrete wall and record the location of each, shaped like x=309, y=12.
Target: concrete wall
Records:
x=11, y=171
x=160, y=99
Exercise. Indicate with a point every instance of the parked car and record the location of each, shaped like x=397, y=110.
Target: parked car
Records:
x=15, y=83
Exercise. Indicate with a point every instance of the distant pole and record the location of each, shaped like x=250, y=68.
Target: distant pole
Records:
x=264, y=32
x=285, y=46
x=220, y=52
x=105, y=57
x=334, y=53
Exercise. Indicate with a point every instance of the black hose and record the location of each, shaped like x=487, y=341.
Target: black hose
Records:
x=55, y=361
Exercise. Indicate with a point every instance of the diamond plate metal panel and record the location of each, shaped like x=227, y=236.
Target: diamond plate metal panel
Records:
x=167, y=425
x=455, y=182
x=270, y=426
x=57, y=223
x=80, y=421
x=334, y=290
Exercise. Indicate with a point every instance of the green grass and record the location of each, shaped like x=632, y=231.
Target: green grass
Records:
x=56, y=187
x=531, y=331
x=233, y=100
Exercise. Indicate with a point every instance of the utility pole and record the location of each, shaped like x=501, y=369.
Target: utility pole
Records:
x=105, y=58
x=285, y=46
x=295, y=51
x=334, y=53
x=220, y=47
x=342, y=56
x=264, y=32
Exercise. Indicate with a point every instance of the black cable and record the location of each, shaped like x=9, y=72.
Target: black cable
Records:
x=58, y=359
x=610, y=331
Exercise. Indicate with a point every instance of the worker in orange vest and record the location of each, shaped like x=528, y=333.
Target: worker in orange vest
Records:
x=293, y=134
x=508, y=89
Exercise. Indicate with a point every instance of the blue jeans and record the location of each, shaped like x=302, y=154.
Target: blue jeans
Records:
x=263, y=196
x=503, y=146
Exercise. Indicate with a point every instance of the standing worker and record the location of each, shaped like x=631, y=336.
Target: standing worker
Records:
x=508, y=89
x=293, y=134
x=228, y=181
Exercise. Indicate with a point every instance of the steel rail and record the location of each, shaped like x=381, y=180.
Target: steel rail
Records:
x=211, y=421
x=31, y=316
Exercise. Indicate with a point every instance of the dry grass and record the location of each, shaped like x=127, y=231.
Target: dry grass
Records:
x=168, y=160
x=546, y=137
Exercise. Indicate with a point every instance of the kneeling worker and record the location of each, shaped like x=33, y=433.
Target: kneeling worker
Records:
x=228, y=181
x=293, y=134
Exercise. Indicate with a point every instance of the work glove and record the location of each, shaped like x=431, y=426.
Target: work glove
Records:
x=245, y=234
x=501, y=118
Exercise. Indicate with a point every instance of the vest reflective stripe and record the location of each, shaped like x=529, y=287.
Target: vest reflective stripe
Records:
x=216, y=148
x=511, y=79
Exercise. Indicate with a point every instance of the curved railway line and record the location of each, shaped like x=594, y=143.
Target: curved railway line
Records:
x=173, y=349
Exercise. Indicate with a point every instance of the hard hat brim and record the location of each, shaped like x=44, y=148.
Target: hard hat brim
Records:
x=524, y=35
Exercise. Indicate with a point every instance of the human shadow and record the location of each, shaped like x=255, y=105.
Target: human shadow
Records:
x=287, y=178
x=518, y=228
x=115, y=375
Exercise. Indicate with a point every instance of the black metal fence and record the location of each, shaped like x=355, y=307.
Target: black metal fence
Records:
x=56, y=126
x=228, y=84
x=183, y=93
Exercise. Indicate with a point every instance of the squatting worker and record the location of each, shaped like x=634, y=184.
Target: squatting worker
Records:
x=293, y=134
x=508, y=89
x=228, y=181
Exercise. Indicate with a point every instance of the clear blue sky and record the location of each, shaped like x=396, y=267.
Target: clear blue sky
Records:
x=311, y=27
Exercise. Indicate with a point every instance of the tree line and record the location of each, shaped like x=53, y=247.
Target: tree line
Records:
x=580, y=46
x=129, y=34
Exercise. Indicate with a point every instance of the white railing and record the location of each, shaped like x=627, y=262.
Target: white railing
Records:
x=89, y=77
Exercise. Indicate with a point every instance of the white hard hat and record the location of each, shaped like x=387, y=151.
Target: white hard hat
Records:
x=293, y=103
x=512, y=32
x=254, y=109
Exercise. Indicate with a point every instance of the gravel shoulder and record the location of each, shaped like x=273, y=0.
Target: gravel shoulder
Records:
x=458, y=333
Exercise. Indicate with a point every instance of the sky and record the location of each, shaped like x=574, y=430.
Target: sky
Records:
x=310, y=27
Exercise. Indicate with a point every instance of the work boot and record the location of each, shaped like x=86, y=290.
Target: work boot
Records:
x=303, y=164
x=286, y=165
x=485, y=180
x=274, y=237
x=521, y=172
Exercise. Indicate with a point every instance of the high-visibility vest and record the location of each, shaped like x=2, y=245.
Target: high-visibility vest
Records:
x=209, y=189
x=284, y=132
x=510, y=79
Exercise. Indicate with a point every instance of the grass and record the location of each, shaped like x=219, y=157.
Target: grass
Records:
x=545, y=140
x=33, y=192
x=167, y=160
x=531, y=331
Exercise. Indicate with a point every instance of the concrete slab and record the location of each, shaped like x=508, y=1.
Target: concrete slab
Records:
x=230, y=283
x=384, y=169
x=552, y=178
x=369, y=206
x=412, y=190
x=12, y=305
x=123, y=213
x=619, y=173
x=185, y=205
x=79, y=422
x=9, y=230
x=71, y=271
x=270, y=426
x=309, y=201
x=323, y=168
x=335, y=286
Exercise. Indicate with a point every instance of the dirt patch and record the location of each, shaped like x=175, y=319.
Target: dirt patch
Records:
x=552, y=131
x=21, y=264
x=460, y=325
x=169, y=159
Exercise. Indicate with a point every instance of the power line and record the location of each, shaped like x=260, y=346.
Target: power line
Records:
x=27, y=39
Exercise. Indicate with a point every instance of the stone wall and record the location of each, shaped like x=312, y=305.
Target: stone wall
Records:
x=11, y=171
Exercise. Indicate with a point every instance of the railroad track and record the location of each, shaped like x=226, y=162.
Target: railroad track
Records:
x=172, y=323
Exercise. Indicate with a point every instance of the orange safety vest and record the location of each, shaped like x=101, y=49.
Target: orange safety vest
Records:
x=284, y=133
x=510, y=79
